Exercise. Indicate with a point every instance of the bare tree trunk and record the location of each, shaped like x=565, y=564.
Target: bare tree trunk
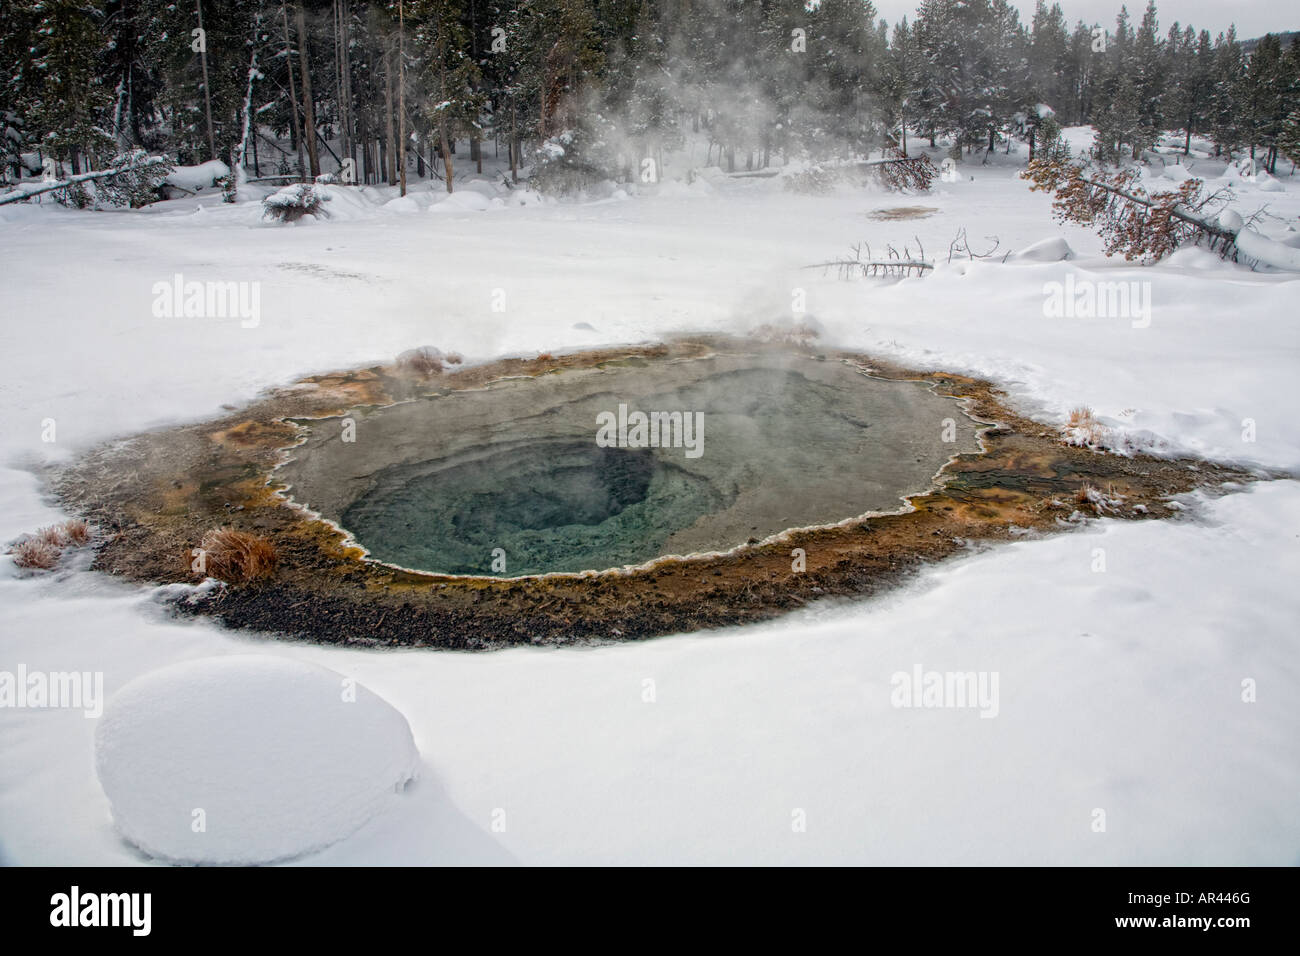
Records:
x=351, y=122
x=442, y=117
x=401, y=91
x=247, y=111
x=293, y=92
x=340, y=81
x=308, y=109
x=207, y=91
x=514, y=168
x=390, y=164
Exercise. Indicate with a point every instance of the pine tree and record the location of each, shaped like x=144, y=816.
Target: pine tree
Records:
x=1225, y=124
x=66, y=95
x=1148, y=82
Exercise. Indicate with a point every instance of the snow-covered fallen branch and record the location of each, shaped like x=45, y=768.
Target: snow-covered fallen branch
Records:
x=1265, y=251
x=26, y=191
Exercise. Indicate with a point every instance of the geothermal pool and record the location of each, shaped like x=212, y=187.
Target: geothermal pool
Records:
x=594, y=468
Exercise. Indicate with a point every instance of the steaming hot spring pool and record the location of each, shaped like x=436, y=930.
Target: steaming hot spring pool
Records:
x=622, y=463
x=523, y=500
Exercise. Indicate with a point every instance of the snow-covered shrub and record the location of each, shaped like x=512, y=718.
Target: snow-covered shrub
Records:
x=572, y=163
x=293, y=202
x=813, y=180
x=136, y=184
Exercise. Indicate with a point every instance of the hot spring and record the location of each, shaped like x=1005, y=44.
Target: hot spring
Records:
x=587, y=469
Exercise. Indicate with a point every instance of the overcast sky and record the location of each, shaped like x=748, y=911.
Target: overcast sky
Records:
x=1253, y=17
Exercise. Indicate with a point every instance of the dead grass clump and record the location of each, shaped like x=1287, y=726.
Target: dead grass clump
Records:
x=1091, y=498
x=1082, y=428
x=36, y=554
x=41, y=551
x=77, y=532
x=54, y=536
x=235, y=557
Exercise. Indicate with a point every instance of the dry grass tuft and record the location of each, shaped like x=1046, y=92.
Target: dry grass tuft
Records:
x=42, y=550
x=77, y=532
x=35, y=553
x=1081, y=417
x=236, y=557
x=54, y=536
x=1082, y=428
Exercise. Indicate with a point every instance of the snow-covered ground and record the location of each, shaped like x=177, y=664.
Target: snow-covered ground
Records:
x=1120, y=691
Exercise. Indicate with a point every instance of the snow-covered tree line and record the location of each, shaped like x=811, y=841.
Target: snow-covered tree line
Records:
x=378, y=90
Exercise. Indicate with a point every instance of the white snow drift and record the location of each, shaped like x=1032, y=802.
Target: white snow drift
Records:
x=248, y=759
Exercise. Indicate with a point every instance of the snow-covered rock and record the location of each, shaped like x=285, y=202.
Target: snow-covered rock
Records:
x=195, y=178
x=248, y=759
x=1054, y=249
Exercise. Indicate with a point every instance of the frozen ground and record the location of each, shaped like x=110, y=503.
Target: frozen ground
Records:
x=1119, y=690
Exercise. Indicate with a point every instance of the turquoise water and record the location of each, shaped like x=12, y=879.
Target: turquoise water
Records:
x=521, y=470
x=557, y=505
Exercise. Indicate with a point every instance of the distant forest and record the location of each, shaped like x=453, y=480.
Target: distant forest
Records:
x=303, y=88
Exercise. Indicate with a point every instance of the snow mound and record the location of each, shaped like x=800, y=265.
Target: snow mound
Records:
x=480, y=186
x=1177, y=173
x=1055, y=249
x=462, y=202
x=248, y=759
x=525, y=197
x=346, y=203
x=1230, y=220
x=202, y=176
x=403, y=204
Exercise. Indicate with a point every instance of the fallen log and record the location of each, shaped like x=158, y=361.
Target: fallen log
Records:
x=23, y=192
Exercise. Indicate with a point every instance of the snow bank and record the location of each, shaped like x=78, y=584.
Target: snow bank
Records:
x=480, y=186
x=1054, y=249
x=248, y=759
x=462, y=202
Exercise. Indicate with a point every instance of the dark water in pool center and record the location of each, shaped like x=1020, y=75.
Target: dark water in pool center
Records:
x=450, y=482
x=551, y=506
